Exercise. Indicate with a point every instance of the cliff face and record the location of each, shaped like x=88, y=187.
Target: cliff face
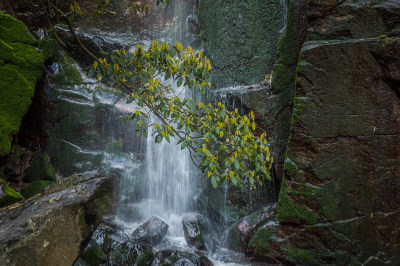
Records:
x=339, y=199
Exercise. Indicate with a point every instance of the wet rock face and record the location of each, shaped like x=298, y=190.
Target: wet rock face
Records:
x=192, y=228
x=94, y=43
x=151, y=232
x=240, y=39
x=176, y=257
x=353, y=19
x=48, y=230
x=343, y=160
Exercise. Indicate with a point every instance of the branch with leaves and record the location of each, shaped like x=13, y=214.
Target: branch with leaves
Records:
x=221, y=143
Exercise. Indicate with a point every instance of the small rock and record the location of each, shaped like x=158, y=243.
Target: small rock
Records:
x=192, y=229
x=151, y=232
x=111, y=246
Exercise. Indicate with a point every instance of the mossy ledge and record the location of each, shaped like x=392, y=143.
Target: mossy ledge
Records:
x=21, y=65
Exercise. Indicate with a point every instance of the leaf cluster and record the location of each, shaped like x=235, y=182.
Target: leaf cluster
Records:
x=222, y=143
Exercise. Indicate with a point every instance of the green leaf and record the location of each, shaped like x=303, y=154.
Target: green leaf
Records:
x=184, y=145
x=110, y=70
x=180, y=80
x=159, y=138
x=236, y=164
x=214, y=181
x=91, y=72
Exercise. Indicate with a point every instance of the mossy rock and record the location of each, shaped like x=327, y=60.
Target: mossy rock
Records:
x=21, y=65
x=290, y=212
x=68, y=71
x=35, y=187
x=8, y=195
x=41, y=168
x=259, y=242
x=115, y=147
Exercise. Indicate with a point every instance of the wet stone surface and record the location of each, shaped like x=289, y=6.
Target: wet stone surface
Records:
x=151, y=232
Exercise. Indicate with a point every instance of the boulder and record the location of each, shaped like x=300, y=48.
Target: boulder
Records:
x=49, y=229
x=111, y=246
x=151, y=232
x=176, y=257
x=193, y=231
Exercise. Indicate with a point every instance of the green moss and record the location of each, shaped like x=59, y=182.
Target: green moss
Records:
x=8, y=195
x=298, y=109
x=40, y=169
x=290, y=166
x=115, y=147
x=146, y=256
x=35, y=187
x=21, y=65
x=259, y=242
x=48, y=47
x=69, y=73
x=287, y=211
x=300, y=256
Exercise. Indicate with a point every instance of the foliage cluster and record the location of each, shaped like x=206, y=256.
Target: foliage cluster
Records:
x=222, y=143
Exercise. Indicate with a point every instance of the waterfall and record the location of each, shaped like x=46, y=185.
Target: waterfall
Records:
x=165, y=184
x=170, y=176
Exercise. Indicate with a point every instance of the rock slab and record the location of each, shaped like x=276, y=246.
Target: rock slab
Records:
x=49, y=229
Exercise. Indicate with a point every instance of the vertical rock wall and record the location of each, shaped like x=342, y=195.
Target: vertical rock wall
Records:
x=339, y=198
x=240, y=38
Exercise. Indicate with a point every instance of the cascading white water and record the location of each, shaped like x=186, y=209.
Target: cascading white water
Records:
x=170, y=176
x=167, y=181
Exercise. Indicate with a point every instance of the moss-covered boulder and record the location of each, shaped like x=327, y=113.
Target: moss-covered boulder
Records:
x=21, y=65
x=115, y=147
x=8, y=195
x=40, y=169
x=35, y=187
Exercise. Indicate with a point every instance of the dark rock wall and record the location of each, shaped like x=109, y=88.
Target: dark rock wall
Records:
x=353, y=19
x=339, y=200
